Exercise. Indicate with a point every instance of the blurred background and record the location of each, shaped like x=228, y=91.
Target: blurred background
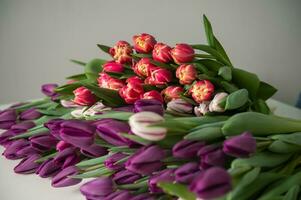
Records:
x=38, y=37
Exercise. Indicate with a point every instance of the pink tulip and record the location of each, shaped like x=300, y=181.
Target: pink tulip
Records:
x=159, y=76
x=153, y=94
x=131, y=92
x=186, y=74
x=144, y=43
x=143, y=67
x=182, y=53
x=202, y=91
x=172, y=92
x=113, y=67
x=161, y=53
x=121, y=52
x=84, y=97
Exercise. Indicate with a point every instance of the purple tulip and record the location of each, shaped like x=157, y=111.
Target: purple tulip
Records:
x=128, y=108
x=146, y=160
x=213, y=158
x=63, y=179
x=125, y=177
x=93, y=151
x=78, y=133
x=240, y=146
x=43, y=142
x=97, y=188
x=119, y=195
x=30, y=114
x=211, y=183
x=27, y=151
x=186, y=149
x=187, y=172
x=151, y=105
x=4, y=138
x=27, y=165
x=166, y=175
x=110, y=162
x=11, y=152
x=67, y=157
x=61, y=145
x=207, y=149
x=8, y=118
x=22, y=127
x=54, y=126
x=48, y=89
x=110, y=130
x=143, y=197
x=48, y=168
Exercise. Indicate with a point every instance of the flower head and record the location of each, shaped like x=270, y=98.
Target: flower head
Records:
x=144, y=43
x=182, y=53
x=202, y=91
x=121, y=52
x=186, y=73
x=161, y=53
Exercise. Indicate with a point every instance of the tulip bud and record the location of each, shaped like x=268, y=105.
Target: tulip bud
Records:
x=202, y=109
x=125, y=177
x=186, y=149
x=4, y=138
x=121, y=52
x=146, y=160
x=54, y=126
x=144, y=43
x=134, y=79
x=186, y=73
x=49, y=90
x=172, y=92
x=93, y=151
x=143, y=197
x=78, y=133
x=131, y=92
x=213, y=158
x=97, y=188
x=119, y=195
x=63, y=178
x=240, y=146
x=143, y=67
x=111, y=131
x=127, y=108
x=112, y=66
x=8, y=118
x=153, y=94
x=141, y=122
x=105, y=81
x=214, y=105
x=202, y=91
x=61, y=145
x=212, y=183
x=22, y=127
x=111, y=164
x=159, y=76
x=30, y=114
x=11, y=152
x=48, y=168
x=166, y=175
x=182, y=53
x=27, y=165
x=179, y=106
x=161, y=53
x=187, y=172
x=26, y=151
x=84, y=97
x=67, y=157
x=150, y=105
x=43, y=142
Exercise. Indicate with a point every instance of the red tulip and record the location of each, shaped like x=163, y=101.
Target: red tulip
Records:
x=182, y=53
x=131, y=92
x=84, y=97
x=153, y=94
x=202, y=91
x=134, y=79
x=186, y=73
x=144, y=43
x=112, y=66
x=161, y=53
x=143, y=67
x=121, y=52
x=172, y=92
x=159, y=76
x=106, y=81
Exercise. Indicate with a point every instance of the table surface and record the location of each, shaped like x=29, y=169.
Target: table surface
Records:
x=31, y=187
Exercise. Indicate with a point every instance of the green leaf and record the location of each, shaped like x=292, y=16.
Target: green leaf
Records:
x=211, y=65
x=292, y=193
x=225, y=72
x=212, y=52
x=77, y=77
x=265, y=91
x=44, y=158
x=67, y=88
x=55, y=112
x=119, y=115
x=261, y=106
x=136, y=139
x=294, y=138
x=40, y=131
x=104, y=48
x=161, y=64
x=94, y=173
x=221, y=50
x=78, y=62
x=142, y=55
x=228, y=87
x=93, y=68
x=178, y=190
x=208, y=31
x=92, y=162
x=123, y=149
x=246, y=80
x=207, y=134
x=237, y=99
x=279, y=146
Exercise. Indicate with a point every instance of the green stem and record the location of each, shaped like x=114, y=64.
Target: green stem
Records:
x=133, y=186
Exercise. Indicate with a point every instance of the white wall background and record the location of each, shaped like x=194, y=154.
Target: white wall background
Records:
x=37, y=37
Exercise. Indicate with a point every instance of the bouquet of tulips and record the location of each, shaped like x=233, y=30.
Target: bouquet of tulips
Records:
x=158, y=122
